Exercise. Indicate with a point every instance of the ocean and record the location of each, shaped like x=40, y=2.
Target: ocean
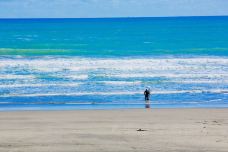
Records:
x=106, y=63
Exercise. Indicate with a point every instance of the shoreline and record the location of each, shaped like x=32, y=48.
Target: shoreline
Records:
x=62, y=109
x=118, y=109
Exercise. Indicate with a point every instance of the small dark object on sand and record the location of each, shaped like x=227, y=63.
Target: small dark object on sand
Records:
x=141, y=130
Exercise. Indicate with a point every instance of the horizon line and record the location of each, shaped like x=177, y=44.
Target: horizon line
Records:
x=116, y=17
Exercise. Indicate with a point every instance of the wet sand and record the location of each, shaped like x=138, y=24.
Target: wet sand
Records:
x=141, y=130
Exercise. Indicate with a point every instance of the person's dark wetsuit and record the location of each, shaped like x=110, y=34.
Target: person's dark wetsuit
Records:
x=147, y=94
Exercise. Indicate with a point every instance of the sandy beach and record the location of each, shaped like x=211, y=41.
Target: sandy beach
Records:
x=194, y=130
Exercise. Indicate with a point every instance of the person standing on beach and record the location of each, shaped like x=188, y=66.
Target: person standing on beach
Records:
x=147, y=98
x=147, y=94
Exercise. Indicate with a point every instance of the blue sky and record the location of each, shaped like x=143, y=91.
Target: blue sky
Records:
x=110, y=8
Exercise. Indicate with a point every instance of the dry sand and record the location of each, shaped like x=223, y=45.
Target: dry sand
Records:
x=166, y=130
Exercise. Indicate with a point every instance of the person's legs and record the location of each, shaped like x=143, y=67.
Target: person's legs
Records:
x=147, y=98
x=147, y=103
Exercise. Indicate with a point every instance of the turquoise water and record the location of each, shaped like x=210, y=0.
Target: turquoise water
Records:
x=126, y=36
x=107, y=63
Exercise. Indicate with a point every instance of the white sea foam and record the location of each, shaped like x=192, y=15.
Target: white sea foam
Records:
x=11, y=76
x=126, y=65
x=167, y=75
x=68, y=84
x=78, y=64
x=121, y=82
x=116, y=93
x=201, y=81
x=40, y=85
x=77, y=77
x=116, y=73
